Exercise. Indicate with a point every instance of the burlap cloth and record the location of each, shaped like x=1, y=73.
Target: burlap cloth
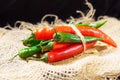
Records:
x=98, y=66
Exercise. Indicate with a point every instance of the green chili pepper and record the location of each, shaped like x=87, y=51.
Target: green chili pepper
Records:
x=31, y=41
x=37, y=49
x=71, y=38
x=94, y=25
x=27, y=52
x=42, y=47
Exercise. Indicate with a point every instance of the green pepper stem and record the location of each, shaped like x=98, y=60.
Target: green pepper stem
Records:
x=11, y=59
x=43, y=58
x=30, y=29
x=55, y=31
x=33, y=58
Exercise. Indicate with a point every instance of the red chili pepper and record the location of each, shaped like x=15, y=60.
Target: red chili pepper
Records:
x=57, y=46
x=64, y=53
x=47, y=33
x=44, y=33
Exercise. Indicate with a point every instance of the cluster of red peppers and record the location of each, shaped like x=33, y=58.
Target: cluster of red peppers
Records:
x=61, y=42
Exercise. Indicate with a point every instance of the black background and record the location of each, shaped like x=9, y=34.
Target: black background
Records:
x=33, y=10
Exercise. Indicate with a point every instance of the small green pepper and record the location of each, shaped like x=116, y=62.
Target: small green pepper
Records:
x=71, y=38
x=31, y=41
x=94, y=25
x=37, y=49
x=27, y=52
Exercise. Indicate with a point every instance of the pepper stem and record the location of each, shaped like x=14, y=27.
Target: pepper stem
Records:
x=30, y=29
x=43, y=58
x=57, y=37
x=33, y=58
x=13, y=57
x=55, y=31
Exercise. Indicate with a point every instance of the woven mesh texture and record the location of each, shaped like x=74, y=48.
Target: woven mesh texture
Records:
x=94, y=64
